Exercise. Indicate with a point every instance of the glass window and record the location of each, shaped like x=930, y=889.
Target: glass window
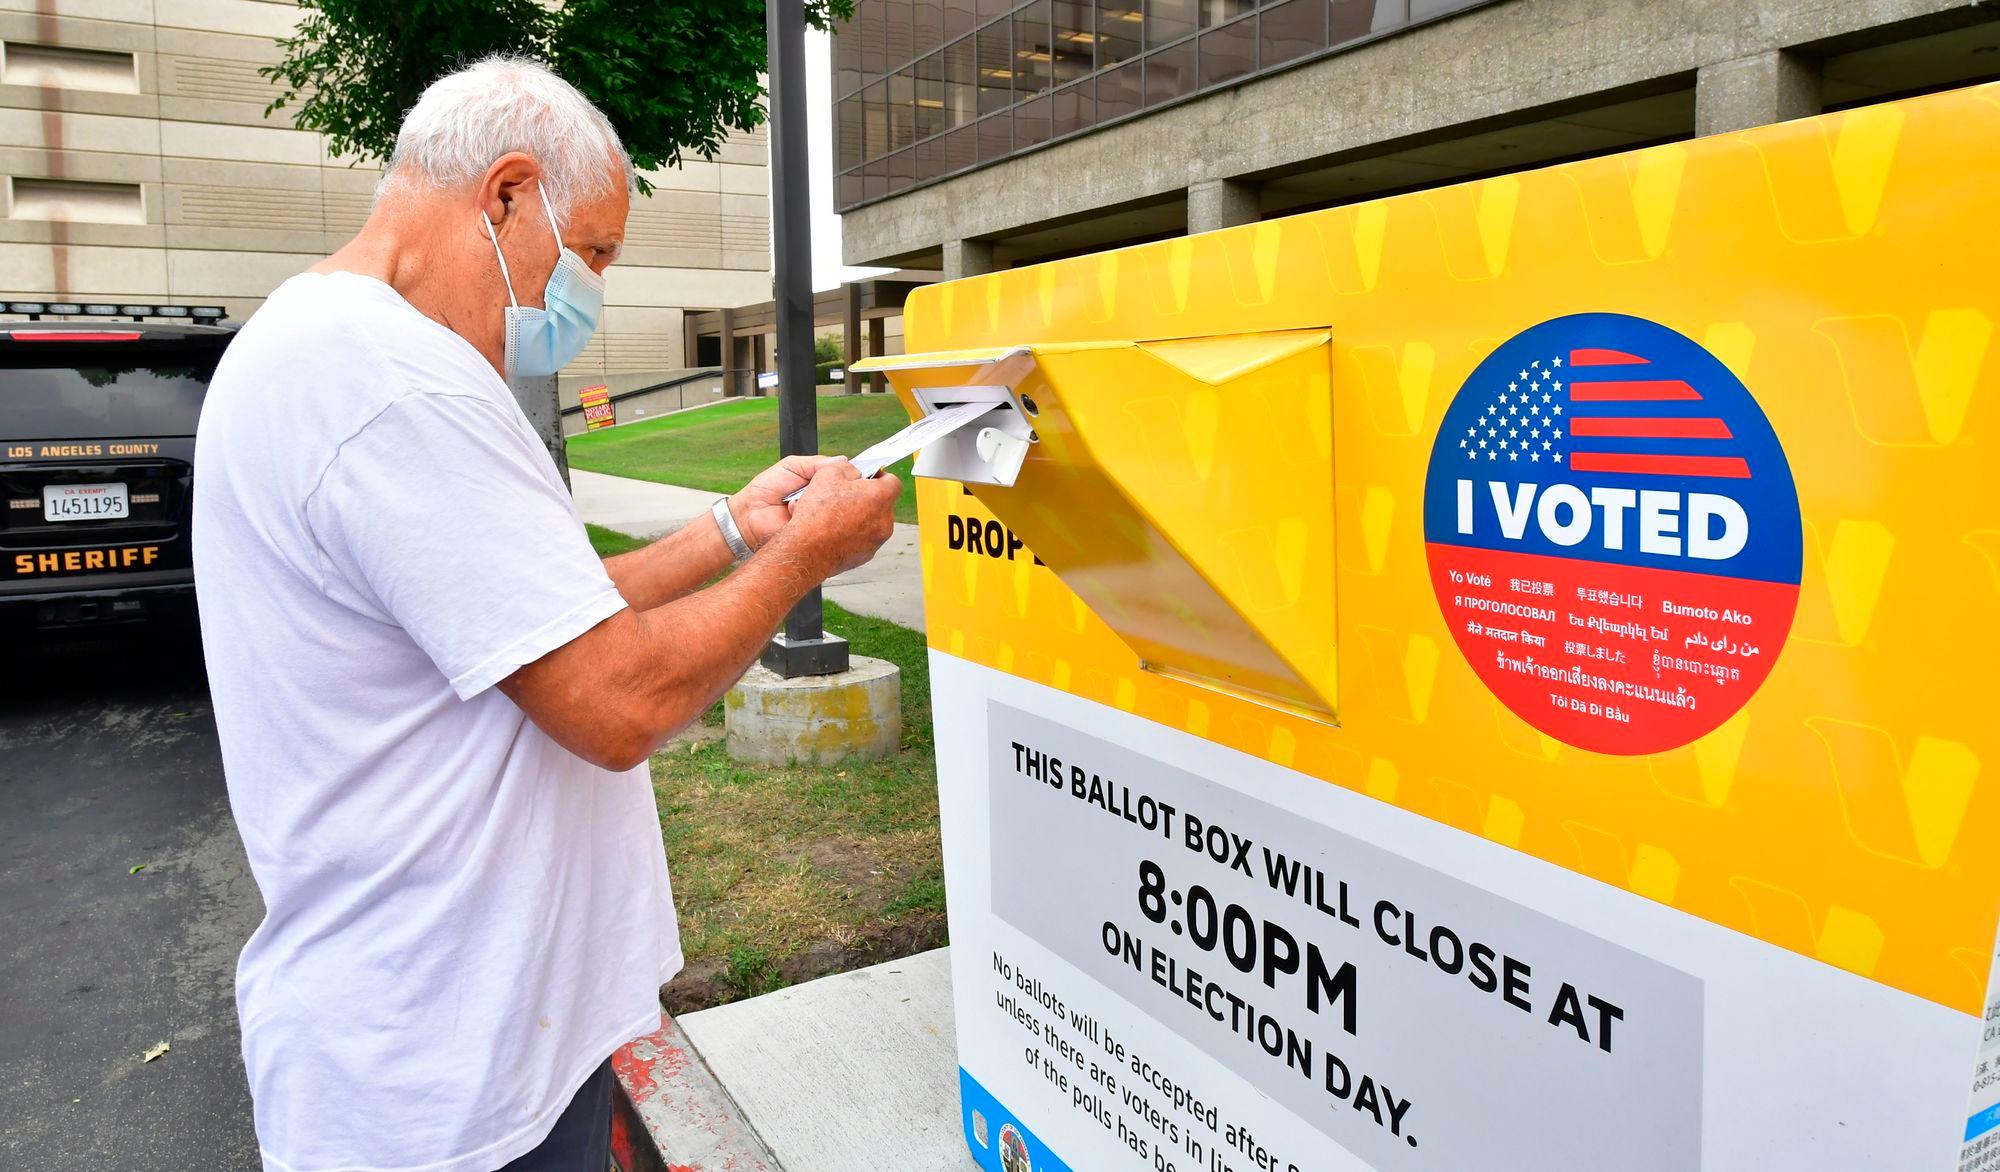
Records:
x=1119, y=92
x=960, y=83
x=846, y=60
x=959, y=17
x=875, y=120
x=1031, y=49
x=1119, y=24
x=1215, y=12
x=1291, y=30
x=875, y=179
x=996, y=138
x=1169, y=73
x=988, y=9
x=847, y=117
x=960, y=149
x=1074, y=42
x=926, y=26
x=898, y=36
x=1391, y=15
x=902, y=170
x=867, y=27
x=1228, y=53
x=996, y=68
x=930, y=159
x=902, y=109
x=1168, y=20
x=1031, y=123
x=1072, y=108
x=851, y=189
x=63, y=391
x=930, y=108
x=1352, y=19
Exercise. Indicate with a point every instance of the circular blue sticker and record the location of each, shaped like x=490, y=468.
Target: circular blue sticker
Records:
x=1613, y=533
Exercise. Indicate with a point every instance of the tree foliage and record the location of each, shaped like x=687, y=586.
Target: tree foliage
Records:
x=674, y=76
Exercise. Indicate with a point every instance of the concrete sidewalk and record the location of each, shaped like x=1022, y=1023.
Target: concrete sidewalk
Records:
x=856, y=1071
x=889, y=587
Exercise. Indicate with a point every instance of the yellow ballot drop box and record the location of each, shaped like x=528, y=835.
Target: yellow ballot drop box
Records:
x=1492, y=678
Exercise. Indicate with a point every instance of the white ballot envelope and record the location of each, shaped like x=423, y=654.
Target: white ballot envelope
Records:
x=929, y=429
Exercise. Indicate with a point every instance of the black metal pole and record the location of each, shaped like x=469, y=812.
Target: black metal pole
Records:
x=803, y=648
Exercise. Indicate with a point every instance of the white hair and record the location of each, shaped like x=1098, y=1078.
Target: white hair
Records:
x=468, y=118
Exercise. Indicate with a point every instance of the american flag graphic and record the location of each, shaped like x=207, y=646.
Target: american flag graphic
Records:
x=1596, y=410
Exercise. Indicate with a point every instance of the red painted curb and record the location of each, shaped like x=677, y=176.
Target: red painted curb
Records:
x=670, y=1114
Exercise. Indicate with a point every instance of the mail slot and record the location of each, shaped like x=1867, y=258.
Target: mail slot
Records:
x=1502, y=677
x=1216, y=573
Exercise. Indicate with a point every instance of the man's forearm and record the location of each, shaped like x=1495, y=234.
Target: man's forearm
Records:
x=672, y=567
x=686, y=653
x=613, y=693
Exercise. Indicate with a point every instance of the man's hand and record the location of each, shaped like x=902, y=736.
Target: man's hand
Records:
x=842, y=519
x=613, y=693
x=760, y=509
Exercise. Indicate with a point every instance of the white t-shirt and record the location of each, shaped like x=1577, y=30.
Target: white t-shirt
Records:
x=462, y=918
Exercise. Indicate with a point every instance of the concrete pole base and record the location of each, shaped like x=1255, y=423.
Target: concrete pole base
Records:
x=855, y=714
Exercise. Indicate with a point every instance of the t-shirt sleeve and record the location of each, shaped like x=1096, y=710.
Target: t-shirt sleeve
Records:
x=441, y=514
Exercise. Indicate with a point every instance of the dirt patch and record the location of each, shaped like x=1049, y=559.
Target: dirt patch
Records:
x=852, y=865
x=693, y=737
x=787, y=873
x=711, y=982
x=872, y=911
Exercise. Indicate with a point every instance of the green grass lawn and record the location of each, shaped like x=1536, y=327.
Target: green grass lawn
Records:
x=719, y=448
x=783, y=874
x=610, y=542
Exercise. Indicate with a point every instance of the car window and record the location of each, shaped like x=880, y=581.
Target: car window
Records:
x=98, y=391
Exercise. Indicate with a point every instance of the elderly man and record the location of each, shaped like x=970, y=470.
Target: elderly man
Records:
x=435, y=701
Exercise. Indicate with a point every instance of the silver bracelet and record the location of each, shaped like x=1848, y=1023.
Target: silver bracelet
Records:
x=731, y=535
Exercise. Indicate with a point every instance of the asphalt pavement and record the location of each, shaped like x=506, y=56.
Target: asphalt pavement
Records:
x=108, y=761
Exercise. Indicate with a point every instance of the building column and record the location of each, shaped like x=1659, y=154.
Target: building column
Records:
x=967, y=258
x=690, y=338
x=728, y=348
x=1755, y=91
x=878, y=341
x=850, y=336
x=756, y=363
x=1221, y=203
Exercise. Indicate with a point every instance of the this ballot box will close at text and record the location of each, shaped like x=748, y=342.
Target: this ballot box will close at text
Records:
x=1493, y=678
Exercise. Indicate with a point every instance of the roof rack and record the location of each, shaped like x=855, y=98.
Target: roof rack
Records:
x=36, y=310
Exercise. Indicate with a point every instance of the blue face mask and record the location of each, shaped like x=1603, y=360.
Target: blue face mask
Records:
x=542, y=341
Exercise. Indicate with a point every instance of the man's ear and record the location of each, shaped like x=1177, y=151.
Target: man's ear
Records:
x=507, y=181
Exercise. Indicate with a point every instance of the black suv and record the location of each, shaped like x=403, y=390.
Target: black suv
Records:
x=98, y=405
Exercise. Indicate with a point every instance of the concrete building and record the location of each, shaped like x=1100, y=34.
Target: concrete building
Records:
x=868, y=314
x=138, y=164
x=981, y=134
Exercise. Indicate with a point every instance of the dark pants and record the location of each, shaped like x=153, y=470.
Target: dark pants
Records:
x=581, y=1140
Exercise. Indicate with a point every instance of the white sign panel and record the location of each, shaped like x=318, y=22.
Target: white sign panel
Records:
x=1414, y=1020
x=1171, y=956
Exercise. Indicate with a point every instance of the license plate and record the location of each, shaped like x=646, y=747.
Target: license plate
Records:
x=85, y=502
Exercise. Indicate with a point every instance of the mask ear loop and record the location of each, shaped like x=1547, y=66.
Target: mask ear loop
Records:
x=578, y=270
x=551, y=214
x=501, y=256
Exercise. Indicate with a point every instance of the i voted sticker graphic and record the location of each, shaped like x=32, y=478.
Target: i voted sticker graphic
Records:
x=1613, y=533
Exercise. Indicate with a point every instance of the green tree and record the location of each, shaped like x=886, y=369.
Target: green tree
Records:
x=826, y=348
x=674, y=76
